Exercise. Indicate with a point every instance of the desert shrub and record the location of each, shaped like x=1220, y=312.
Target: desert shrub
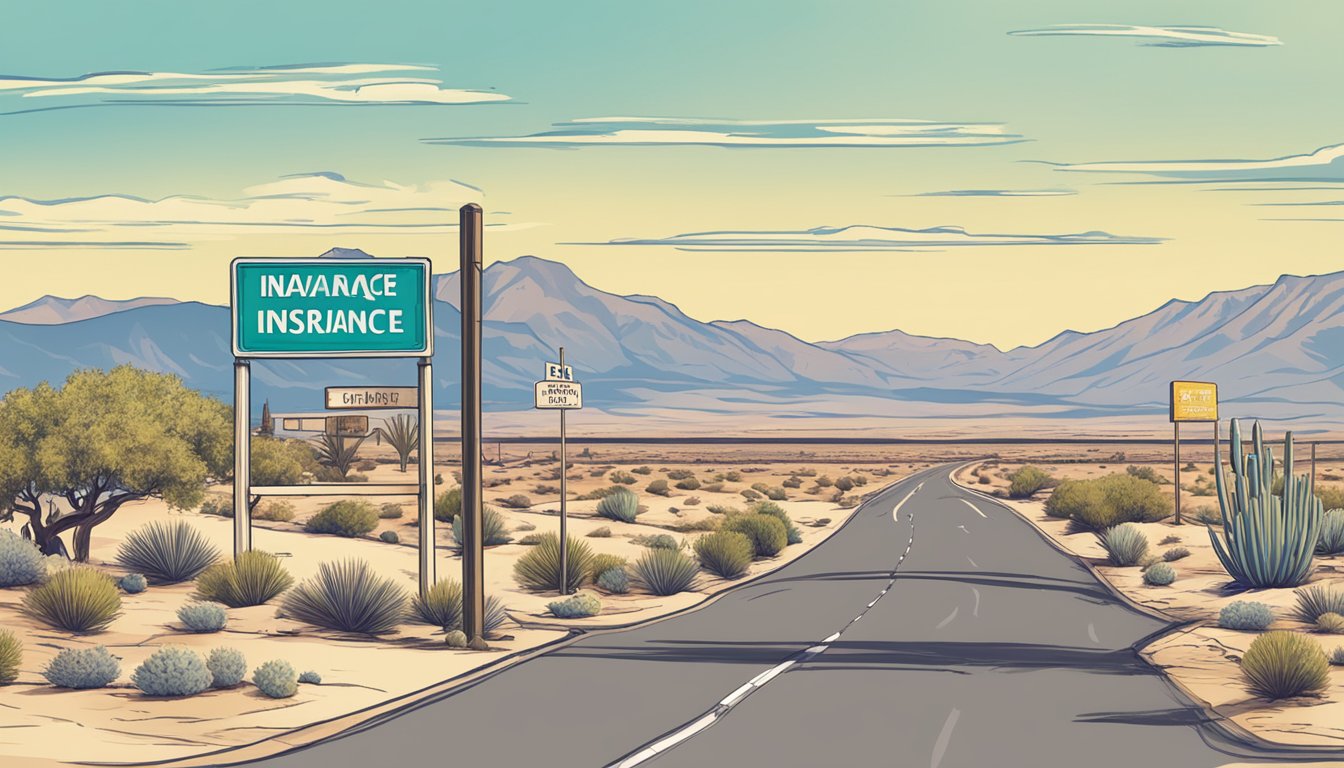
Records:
x=441, y=606
x=172, y=671
x=227, y=667
x=274, y=511
x=665, y=571
x=203, y=616
x=1125, y=544
x=600, y=533
x=1073, y=499
x=1145, y=473
x=1330, y=540
x=494, y=531
x=348, y=518
x=1281, y=664
x=702, y=525
x=1315, y=600
x=1170, y=539
x=348, y=596
x=1337, y=657
x=310, y=678
x=20, y=561
x=495, y=614
x=539, y=568
x=579, y=606
x=792, y=482
x=1026, y=481
x=657, y=541
x=845, y=484
x=277, y=679
x=1207, y=516
x=598, y=493
x=721, y=509
x=167, y=552
x=657, y=487
x=725, y=553
x=389, y=537
x=642, y=470
x=448, y=505
x=390, y=511
x=530, y=540
x=715, y=487
x=689, y=484
x=1330, y=623
x=1159, y=574
x=603, y=561
x=11, y=655
x=525, y=526
x=623, y=506
x=1331, y=496
x=217, y=505
x=455, y=639
x=793, y=535
x=691, y=501
x=83, y=668
x=1108, y=501
x=614, y=580
x=750, y=494
x=825, y=481
x=1175, y=553
x=622, y=478
x=517, y=501
x=78, y=599
x=680, y=474
x=253, y=578
x=133, y=583
x=1245, y=615
x=767, y=534
x=984, y=480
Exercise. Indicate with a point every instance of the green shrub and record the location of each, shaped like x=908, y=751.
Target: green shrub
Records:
x=733, y=477
x=579, y=606
x=1337, y=657
x=348, y=518
x=539, y=567
x=1281, y=664
x=767, y=534
x=494, y=531
x=750, y=494
x=495, y=614
x=448, y=505
x=172, y=671
x=984, y=480
x=253, y=578
x=203, y=617
x=1108, y=501
x=845, y=484
x=441, y=606
x=227, y=667
x=1316, y=600
x=1159, y=574
x=1125, y=544
x=517, y=501
x=680, y=474
x=1175, y=553
x=614, y=580
x=274, y=511
x=11, y=655
x=530, y=540
x=642, y=471
x=1074, y=499
x=20, y=561
x=714, y=487
x=622, y=478
x=793, y=535
x=689, y=484
x=348, y=596
x=389, y=537
x=825, y=481
x=1330, y=623
x=1331, y=538
x=720, y=509
x=657, y=487
x=77, y=599
x=277, y=679
x=1145, y=473
x=657, y=541
x=167, y=552
x=310, y=678
x=793, y=482
x=83, y=668
x=1244, y=615
x=1331, y=496
x=622, y=506
x=391, y=511
x=600, y=533
x=1026, y=481
x=665, y=571
x=455, y=639
x=133, y=583
x=725, y=553
x=603, y=561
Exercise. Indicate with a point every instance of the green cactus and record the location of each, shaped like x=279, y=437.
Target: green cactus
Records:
x=1267, y=540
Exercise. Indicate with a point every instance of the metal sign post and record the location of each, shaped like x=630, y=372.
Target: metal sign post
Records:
x=473, y=551
x=1190, y=401
x=311, y=308
x=559, y=391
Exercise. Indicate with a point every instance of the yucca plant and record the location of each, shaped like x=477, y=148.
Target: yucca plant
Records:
x=665, y=571
x=167, y=552
x=1282, y=664
x=622, y=504
x=348, y=596
x=403, y=434
x=78, y=599
x=540, y=568
x=1125, y=544
x=338, y=452
x=494, y=531
x=1267, y=541
x=252, y=578
x=441, y=607
x=11, y=653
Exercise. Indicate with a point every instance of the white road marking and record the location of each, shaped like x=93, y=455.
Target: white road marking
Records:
x=944, y=737
x=1092, y=633
x=977, y=509
x=963, y=528
x=832, y=638
x=972, y=562
x=951, y=617
x=976, y=610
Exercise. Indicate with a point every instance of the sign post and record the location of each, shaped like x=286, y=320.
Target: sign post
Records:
x=312, y=308
x=559, y=391
x=1191, y=401
x=473, y=550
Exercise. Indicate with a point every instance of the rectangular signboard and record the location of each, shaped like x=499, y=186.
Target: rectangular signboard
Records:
x=1194, y=401
x=328, y=308
x=304, y=424
x=558, y=372
x=356, y=426
x=559, y=395
x=367, y=398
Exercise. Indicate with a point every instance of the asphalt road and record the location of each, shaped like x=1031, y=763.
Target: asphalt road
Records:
x=987, y=648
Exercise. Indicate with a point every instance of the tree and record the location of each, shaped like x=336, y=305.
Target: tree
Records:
x=279, y=462
x=106, y=438
x=267, y=424
x=403, y=434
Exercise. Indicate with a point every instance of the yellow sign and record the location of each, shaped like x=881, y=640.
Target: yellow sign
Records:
x=1194, y=401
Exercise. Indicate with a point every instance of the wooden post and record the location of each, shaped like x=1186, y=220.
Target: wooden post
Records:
x=473, y=552
x=1176, y=443
x=242, y=456
x=564, y=487
x=425, y=403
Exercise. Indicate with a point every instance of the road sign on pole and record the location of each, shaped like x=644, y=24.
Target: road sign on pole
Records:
x=559, y=371
x=370, y=398
x=1190, y=401
x=559, y=395
x=561, y=392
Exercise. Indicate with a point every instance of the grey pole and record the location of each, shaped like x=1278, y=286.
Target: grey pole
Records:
x=242, y=456
x=473, y=554
x=425, y=401
x=564, y=487
x=1176, y=445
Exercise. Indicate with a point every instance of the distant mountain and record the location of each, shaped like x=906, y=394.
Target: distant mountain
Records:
x=50, y=310
x=1276, y=350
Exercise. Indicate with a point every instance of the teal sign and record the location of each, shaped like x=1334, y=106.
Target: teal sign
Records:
x=315, y=308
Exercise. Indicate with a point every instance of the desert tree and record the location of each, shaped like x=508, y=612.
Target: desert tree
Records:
x=403, y=434
x=279, y=462
x=103, y=439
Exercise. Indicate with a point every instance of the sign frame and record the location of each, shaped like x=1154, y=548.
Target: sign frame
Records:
x=409, y=393
x=427, y=350
x=1172, y=408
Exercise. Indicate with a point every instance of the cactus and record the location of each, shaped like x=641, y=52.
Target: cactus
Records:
x=1267, y=541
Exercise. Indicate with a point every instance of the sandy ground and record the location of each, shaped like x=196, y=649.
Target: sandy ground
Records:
x=118, y=724
x=1201, y=657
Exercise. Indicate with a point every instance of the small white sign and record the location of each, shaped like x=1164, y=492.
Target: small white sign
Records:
x=559, y=395
x=365, y=398
x=558, y=372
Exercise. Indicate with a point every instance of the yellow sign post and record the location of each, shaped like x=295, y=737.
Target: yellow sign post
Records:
x=1191, y=401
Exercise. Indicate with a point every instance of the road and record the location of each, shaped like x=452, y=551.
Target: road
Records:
x=963, y=640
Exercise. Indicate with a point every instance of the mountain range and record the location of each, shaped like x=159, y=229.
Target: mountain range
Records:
x=1277, y=352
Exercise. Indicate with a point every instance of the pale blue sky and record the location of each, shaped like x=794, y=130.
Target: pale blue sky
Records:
x=791, y=86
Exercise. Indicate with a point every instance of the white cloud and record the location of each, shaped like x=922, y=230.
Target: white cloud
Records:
x=1326, y=163
x=1161, y=37
x=858, y=238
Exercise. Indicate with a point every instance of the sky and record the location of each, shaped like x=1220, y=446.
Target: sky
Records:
x=997, y=172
